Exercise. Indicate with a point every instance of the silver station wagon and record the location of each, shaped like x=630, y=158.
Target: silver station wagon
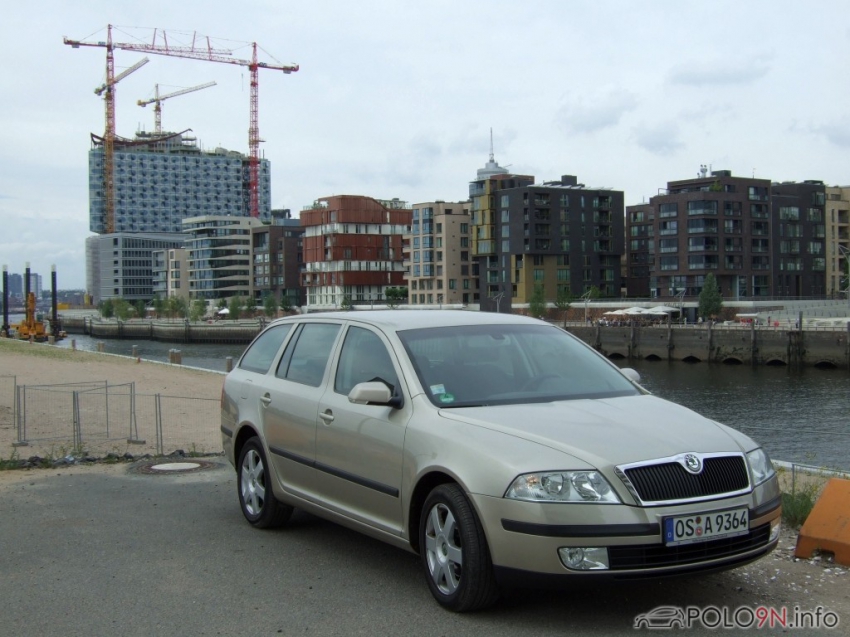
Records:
x=501, y=449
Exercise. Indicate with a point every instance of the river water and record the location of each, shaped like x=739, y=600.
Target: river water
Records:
x=801, y=416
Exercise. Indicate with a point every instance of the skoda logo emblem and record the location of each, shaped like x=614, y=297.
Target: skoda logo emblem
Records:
x=693, y=463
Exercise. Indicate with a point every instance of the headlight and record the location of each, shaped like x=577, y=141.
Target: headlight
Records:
x=760, y=465
x=562, y=486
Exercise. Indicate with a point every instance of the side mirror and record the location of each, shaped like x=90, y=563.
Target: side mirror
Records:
x=374, y=392
x=631, y=374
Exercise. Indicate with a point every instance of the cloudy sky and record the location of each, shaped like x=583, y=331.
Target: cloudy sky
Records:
x=396, y=99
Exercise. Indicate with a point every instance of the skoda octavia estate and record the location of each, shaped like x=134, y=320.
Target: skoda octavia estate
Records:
x=501, y=449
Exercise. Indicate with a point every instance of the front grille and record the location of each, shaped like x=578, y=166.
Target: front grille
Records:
x=643, y=556
x=671, y=481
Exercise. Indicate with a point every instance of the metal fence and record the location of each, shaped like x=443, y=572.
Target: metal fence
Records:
x=98, y=418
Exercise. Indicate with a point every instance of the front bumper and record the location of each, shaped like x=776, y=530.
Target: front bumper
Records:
x=524, y=537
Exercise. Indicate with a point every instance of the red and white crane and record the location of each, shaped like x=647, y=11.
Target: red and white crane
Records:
x=158, y=99
x=202, y=49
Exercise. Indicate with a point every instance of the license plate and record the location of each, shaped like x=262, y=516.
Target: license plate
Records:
x=687, y=529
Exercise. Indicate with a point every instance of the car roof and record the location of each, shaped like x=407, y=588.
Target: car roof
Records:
x=398, y=320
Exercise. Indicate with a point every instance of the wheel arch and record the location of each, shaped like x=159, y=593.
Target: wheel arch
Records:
x=245, y=433
x=426, y=484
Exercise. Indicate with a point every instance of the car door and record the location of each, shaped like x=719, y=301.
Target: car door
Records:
x=290, y=405
x=359, y=448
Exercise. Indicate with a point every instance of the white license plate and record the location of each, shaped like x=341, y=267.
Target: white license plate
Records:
x=687, y=529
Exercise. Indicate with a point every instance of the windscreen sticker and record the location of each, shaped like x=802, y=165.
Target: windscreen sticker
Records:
x=438, y=389
x=447, y=398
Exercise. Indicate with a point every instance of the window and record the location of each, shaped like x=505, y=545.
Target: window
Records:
x=702, y=207
x=668, y=210
x=669, y=263
x=363, y=358
x=668, y=227
x=538, y=275
x=789, y=213
x=306, y=356
x=668, y=245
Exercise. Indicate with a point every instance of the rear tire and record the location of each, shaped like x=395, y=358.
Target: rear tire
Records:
x=454, y=552
x=254, y=483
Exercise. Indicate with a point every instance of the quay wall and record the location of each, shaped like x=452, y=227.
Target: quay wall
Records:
x=230, y=332
x=747, y=345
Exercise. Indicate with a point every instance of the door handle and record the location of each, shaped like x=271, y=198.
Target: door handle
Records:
x=327, y=416
x=266, y=399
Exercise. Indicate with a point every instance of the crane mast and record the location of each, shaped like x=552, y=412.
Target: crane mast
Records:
x=159, y=45
x=158, y=99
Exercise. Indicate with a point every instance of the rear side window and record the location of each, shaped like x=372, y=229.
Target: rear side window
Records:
x=260, y=355
x=306, y=360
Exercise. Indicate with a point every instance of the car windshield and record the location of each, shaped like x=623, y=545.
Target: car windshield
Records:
x=474, y=365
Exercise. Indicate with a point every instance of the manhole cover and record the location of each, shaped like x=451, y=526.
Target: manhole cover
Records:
x=176, y=466
x=154, y=467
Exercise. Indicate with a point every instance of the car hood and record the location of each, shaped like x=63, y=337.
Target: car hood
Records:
x=604, y=432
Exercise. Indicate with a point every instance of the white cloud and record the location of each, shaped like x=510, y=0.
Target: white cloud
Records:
x=590, y=114
x=732, y=71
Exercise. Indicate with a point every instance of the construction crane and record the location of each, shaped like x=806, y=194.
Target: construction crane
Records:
x=158, y=99
x=159, y=45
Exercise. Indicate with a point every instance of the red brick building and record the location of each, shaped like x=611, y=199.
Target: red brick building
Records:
x=353, y=248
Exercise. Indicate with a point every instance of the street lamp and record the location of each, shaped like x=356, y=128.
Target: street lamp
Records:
x=586, y=297
x=498, y=298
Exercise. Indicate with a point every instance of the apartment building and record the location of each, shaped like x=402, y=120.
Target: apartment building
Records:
x=561, y=235
x=277, y=258
x=218, y=255
x=352, y=249
x=837, y=220
x=437, y=254
x=170, y=273
x=798, y=235
x=715, y=223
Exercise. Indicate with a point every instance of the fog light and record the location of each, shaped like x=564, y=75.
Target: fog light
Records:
x=775, y=527
x=584, y=558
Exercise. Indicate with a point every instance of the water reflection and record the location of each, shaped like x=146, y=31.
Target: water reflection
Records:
x=798, y=416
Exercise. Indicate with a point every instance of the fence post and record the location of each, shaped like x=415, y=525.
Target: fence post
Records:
x=158, y=409
x=20, y=416
x=77, y=433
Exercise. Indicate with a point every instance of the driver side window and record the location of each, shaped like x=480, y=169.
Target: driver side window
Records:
x=364, y=357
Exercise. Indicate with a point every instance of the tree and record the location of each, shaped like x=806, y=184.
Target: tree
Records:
x=710, y=301
x=285, y=303
x=177, y=306
x=236, y=306
x=345, y=304
x=395, y=296
x=537, y=303
x=222, y=303
x=121, y=308
x=197, y=309
x=158, y=306
x=107, y=309
x=563, y=301
x=270, y=305
x=141, y=310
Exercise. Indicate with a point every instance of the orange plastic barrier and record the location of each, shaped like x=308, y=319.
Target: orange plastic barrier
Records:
x=828, y=526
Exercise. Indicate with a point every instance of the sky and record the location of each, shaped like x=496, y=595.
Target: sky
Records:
x=397, y=99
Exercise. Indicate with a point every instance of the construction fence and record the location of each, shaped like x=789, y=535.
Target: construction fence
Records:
x=98, y=418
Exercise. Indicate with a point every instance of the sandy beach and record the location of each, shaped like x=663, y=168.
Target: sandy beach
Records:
x=41, y=364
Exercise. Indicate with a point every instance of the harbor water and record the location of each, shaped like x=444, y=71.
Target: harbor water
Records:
x=799, y=416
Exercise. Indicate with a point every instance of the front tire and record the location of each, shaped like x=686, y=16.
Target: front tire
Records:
x=454, y=552
x=254, y=483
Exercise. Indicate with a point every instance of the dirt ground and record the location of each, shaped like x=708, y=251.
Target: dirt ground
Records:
x=41, y=364
x=779, y=579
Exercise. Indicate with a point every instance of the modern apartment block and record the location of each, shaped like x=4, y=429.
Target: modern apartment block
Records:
x=798, y=236
x=352, y=249
x=277, y=257
x=17, y=285
x=837, y=220
x=561, y=235
x=170, y=273
x=161, y=179
x=219, y=256
x=437, y=254
x=715, y=223
x=120, y=265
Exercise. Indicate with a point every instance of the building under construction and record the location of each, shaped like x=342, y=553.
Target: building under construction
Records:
x=159, y=180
